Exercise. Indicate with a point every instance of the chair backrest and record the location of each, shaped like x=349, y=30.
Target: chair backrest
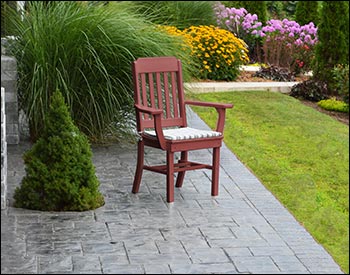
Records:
x=158, y=84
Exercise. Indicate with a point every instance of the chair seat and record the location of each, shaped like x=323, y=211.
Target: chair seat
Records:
x=184, y=133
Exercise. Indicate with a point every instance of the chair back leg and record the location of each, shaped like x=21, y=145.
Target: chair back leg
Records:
x=181, y=175
x=139, y=167
x=170, y=176
x=215, y=172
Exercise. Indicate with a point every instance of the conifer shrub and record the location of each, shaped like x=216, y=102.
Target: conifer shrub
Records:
x=306, y=12
x=333, y=35
x=60, y=175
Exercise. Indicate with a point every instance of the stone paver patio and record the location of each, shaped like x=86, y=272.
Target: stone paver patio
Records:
x=243, y=230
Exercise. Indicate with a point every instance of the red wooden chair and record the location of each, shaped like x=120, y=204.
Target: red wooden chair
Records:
x=161, y=122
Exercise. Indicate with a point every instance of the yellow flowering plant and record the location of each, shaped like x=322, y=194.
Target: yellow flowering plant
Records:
x=217, y=53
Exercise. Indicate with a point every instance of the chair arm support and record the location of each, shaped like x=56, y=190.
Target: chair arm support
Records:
x=156, y=113
x=220, y=108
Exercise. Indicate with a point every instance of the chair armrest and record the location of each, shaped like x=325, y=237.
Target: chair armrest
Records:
x=220, y=108
x=148, y=110
x=156, y=113
x=209, y=104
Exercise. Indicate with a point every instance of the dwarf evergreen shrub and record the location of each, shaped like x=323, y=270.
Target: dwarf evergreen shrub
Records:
x=60, y=175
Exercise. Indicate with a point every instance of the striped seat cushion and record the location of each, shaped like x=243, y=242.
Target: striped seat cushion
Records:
x=184, y=133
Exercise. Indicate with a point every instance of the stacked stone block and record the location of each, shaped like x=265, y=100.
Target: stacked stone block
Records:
x=3, y=151
x=9, y=82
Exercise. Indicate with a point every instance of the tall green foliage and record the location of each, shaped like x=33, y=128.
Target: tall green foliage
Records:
x=5, y=6
x=333, y=35
x=253, y=7
x=86, y=52
x=306, y=12
x=59, y=170
x=256, y=7
x=180, y=14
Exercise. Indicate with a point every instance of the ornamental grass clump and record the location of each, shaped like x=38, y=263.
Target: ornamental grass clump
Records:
x=86, y=52
x=217, y=53
x=60, y=175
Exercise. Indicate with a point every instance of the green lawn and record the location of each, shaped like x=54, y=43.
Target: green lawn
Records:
x=299, y=154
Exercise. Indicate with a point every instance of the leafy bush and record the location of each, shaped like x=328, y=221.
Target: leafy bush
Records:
x=312, y=89
x=181, y=14
x=85, y=51
x=333, y=104
x=60, y=174
x=217, y=53
x=275, y=73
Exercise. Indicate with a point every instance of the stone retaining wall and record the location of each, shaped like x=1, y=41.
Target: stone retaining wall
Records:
x=10, y=133
x=3, y=151
x=9, y=83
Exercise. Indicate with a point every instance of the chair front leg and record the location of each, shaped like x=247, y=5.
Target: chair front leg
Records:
x=215, y=172
x=181, y=175
x=139, y=167
x=170, y=176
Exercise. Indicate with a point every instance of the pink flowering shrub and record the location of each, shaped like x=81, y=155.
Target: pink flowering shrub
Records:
x=285, y=43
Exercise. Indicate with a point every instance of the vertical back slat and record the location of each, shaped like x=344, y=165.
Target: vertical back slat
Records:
x=144, y=93
x=181, y=96
x=151, y=90
x=174, y=94
x=167, y=97
x=159, y=91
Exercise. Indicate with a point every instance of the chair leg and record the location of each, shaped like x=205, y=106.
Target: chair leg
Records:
x=139, y=167
x=181, y=175
x=215, y=172
x=170, y=176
